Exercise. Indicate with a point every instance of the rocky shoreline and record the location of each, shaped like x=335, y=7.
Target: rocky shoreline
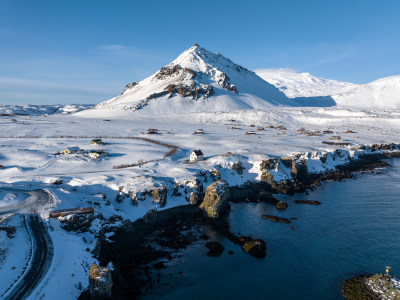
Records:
x=138, y=249
x=378, y=286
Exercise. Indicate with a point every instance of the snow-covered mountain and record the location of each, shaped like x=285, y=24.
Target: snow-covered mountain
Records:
x=295, y=84
x=382, y=93
x=198, y=80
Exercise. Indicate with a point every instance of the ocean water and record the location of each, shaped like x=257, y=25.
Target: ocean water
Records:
x=355, y=230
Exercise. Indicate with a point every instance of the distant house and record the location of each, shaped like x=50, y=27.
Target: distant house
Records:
x=96, y=154
x=281, y=127
x=97, y=142
x=250, y=133
x=70, y=150
x=1, y=167
x=199, y=131
x=152, y=131
x=259, y=128
x=196, y=155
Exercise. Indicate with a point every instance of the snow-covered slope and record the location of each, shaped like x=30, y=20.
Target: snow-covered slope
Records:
x=295, y=84
x=382, y=93
x=198, y=80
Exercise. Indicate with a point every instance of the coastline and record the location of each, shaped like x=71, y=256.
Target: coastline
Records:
x=177, y=228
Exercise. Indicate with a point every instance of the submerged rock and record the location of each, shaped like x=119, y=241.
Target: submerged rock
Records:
x=100, y=282
x=276, y=219
x=215, y=249
x=311, y=202
x=216, y=199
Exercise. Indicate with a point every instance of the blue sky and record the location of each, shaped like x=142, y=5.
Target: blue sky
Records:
x=86, y=51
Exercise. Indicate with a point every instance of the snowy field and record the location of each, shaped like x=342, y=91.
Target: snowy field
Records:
x=28, y=145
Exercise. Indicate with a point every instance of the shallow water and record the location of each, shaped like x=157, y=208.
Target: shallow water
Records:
x=355, y=230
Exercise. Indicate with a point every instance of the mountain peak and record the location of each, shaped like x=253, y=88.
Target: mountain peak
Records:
x=199, y=77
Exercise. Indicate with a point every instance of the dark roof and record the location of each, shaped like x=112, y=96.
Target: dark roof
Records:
x=198, y=152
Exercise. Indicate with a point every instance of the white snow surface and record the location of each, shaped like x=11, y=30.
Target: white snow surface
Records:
x=295, y=84
x=382, y=93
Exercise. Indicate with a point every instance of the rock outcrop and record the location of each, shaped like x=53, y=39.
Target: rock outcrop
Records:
x=160, y=195
x=372, y=287
x=281, y=205
x=76, y=223
x=255, y=247
x=276, y=219
x=100, y=282
x=215, y=199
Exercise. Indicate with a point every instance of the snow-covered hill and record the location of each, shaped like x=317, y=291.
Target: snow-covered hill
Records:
x=198, y=80
x=295, y=84
x=382, y=93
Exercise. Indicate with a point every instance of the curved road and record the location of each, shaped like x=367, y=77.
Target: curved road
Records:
x=42, y=246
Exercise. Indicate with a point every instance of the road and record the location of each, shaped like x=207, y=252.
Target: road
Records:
x=42, y=246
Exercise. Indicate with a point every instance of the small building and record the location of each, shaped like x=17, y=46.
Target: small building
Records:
x=280, y=127
x=96, y=154
x=250, y=133
x=259, y=128
x=70, y=150
x=327, y=132
x=198, y=131
x=97, y=142
x=1, y=167
x=196, y=155
x=335, y=138
x=301, y=131
x=152, y=131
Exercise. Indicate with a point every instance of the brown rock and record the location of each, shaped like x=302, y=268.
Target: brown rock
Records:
x=100, y=282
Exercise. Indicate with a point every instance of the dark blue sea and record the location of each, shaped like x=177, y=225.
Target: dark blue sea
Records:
x=355, y=230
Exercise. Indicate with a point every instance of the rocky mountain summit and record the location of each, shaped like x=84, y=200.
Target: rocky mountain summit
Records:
x=198, y=80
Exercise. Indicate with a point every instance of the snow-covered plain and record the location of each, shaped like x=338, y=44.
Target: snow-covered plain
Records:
x=27, y=146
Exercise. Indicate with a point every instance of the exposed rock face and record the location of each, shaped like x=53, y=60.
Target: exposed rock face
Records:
x=238, y=167
x=194, y=191
x=266, y=166
x=299, y=170
x=77, y=223
x=215, y=175
x=224, y=81
x=100, y=282
x=160, y=195
x=215, y=199
x=281, y=205
x=129, y=86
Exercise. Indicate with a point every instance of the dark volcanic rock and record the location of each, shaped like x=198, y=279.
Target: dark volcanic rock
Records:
x=215, y=199
x=255, y=247
x=276, y=219
x=311, y=202
x=281, y=205
x=215, y=249
x=77, y=223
